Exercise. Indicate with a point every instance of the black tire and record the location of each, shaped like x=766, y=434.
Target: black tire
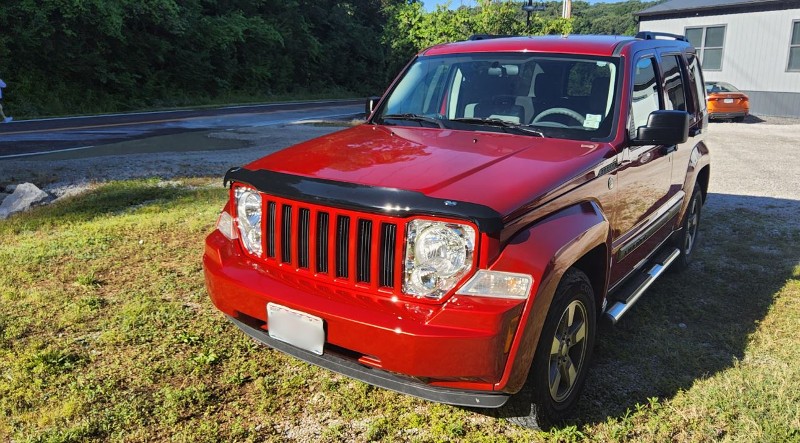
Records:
x=686, y=240
x=552, y=390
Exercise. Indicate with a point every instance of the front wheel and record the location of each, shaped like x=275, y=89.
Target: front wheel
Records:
x=565, y=347
x=690, y=228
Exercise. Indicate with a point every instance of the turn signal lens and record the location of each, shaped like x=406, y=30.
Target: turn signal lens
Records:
x=225, y=225
x=498, y=284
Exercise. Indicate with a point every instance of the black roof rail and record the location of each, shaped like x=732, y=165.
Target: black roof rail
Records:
x=652, y=35
x=488, y=36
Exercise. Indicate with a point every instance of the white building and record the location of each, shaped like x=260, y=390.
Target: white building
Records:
x=754, y=45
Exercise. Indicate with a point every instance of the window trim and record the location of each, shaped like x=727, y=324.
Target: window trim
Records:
x=684, y=79
x=701, y=50
x=791, y=46
x=653, y=56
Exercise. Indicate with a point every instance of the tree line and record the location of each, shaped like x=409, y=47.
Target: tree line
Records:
x=84, y=56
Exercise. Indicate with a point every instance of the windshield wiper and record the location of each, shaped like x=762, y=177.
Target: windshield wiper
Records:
x=415, y=118
x=499, y=123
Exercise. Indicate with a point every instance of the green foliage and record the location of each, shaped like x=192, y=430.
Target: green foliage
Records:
x=607, y=18
x=410, y=29
x=84, y=56
x=76, y=56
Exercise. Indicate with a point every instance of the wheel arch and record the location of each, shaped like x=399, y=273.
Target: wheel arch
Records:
x=576, y=236
x=703, y=177
x=595, y=265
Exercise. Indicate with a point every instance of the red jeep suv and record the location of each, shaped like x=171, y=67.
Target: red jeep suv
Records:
x=504, y=196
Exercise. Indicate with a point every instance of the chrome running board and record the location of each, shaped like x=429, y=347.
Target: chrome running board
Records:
x=640, y=284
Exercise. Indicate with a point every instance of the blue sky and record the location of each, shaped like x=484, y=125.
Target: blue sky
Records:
x=430, y=5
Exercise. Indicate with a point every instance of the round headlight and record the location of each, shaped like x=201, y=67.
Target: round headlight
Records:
x=248, y=211
x=249, y=208
x=438, y=255
x=442, y=249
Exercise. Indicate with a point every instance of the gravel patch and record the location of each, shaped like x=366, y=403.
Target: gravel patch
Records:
x=754, y=164
x=755, y=167
x=71, y=173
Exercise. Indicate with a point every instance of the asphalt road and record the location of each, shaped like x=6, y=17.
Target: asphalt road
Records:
x=28, y=138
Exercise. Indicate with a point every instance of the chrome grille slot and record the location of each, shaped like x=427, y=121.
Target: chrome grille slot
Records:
x=322, y=242
x=342, y=245
x=286, y=234
x=363, y=253
x=270, y=237
x=388, y=242
x=302, y=237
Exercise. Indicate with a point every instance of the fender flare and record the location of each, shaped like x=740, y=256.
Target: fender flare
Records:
x=545, y=250
x=699, y=160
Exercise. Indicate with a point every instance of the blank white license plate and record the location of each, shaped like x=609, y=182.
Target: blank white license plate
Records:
x=728, y=100
x=296, y=328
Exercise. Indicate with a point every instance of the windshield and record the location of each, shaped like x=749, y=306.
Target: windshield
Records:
x=553, y=96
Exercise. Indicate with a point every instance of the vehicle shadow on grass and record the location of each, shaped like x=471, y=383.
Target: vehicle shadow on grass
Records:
x=696, y=323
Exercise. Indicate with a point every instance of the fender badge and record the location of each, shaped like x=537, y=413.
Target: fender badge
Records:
x=610, y=182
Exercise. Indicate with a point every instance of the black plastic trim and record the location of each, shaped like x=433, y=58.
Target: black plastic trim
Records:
x=652, y=35
x=377, y=377
x=392, y=201
x=475, y=37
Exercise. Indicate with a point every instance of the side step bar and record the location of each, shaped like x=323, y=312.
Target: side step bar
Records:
x=639, y=285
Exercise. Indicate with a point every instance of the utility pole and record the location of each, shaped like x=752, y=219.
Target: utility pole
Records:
x=530, y=7
x=566, y=10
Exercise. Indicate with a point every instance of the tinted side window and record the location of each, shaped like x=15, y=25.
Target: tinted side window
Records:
x=673, y=83
x=644, y=99
x=697, y=79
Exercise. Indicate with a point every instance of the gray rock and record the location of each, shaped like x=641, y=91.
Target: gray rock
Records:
x=24, y=196
x=10, y=189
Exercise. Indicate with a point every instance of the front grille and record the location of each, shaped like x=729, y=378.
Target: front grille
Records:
x=347, y=247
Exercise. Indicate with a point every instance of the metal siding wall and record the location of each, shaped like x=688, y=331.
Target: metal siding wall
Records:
x=756, y=50
x=785, y=104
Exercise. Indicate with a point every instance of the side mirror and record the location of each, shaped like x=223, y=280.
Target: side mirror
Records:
x=663, y=128
x=372, y=102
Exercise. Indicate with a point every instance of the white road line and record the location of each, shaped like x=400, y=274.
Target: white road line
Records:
x=29, y=154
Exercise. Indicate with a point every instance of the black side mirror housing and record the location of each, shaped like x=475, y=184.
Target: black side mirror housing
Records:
x=372, y=102
x=663, y=128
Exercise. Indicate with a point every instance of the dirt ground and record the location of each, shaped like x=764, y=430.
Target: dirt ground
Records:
x=756, y=160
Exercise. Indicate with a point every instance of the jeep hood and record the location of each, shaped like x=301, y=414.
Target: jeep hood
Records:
x=498, y=170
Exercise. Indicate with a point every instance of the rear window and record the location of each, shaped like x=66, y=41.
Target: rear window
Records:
x=720, y=87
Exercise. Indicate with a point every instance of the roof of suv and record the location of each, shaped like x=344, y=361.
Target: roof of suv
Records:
x=601, y=45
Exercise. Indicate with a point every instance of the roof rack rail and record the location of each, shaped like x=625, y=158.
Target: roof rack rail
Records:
x=652, y=35
x=488, y=36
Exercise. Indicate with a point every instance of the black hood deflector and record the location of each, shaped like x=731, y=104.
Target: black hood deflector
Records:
x=388, y=201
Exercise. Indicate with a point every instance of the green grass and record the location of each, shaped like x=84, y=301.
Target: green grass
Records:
x=107, y=334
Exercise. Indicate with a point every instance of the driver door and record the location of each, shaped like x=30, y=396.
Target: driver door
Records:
x=643, y=179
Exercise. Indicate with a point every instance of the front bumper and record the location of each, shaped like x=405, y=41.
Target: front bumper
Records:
x=376, y=377
x=452, y=353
